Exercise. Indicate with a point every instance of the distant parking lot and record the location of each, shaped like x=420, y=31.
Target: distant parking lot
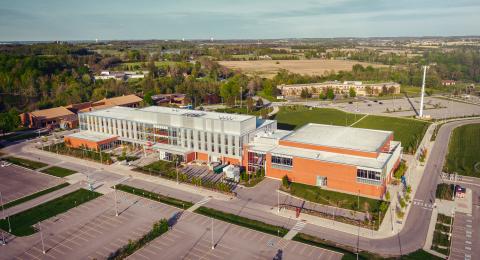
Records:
x=231, y=242
x=463, y=237
x=91, y=231
x=17, y=182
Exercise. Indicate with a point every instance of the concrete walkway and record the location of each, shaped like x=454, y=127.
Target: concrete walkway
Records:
x=294, y=231
x=199, y=204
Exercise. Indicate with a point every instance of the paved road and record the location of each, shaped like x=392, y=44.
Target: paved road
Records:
x=412, y=236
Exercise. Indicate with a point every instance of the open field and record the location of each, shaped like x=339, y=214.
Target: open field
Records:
x=290, y=118
x=463, y=151
x=407, y=131
x=268, y=68
x=17, y=182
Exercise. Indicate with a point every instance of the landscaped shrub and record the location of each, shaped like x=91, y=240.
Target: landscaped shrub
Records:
x=158, y=229
x=444, y=191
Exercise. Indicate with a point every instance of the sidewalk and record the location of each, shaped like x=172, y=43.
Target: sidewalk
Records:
x=127, y=171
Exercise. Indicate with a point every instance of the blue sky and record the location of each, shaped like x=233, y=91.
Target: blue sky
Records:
x=228, y=19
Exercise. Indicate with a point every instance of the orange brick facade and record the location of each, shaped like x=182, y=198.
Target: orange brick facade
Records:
x=77, y=142
x=339, y=177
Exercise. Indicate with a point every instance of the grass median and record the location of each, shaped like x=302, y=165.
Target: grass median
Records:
x=349, y=253
x=33, y=165
x=242, y=221
x=58, y=171
x=34, y=195
x=23, y=223
x=155, y=196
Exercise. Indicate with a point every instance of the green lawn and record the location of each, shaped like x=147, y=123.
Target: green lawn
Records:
x=34, y=195
x=243, y=110
x=408, y=131
x=25, y=163
x=463, y=151
x=242, y=221
x=58, y=171
x=294, y=117
x=22, y=223
x=155, y=196
x=333, y=198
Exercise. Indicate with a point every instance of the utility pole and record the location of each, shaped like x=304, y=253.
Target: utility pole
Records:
x=176, y=169
x=423, y=90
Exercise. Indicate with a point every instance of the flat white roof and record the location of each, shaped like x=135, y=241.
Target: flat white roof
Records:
x=196, y=113
x=91, y=136
x=376, y=163
x=129, y=113
x=359, y=139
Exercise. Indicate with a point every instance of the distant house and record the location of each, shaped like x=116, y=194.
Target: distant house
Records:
x=169, y=99
x=121, y=75
x=448, y=82
x=51, y=117
x=123, y=101
x=66, y=116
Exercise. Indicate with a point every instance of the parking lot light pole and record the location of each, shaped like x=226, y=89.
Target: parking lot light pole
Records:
x=3, y=214
x=278, y=201
x=213, y=245
x=115, y=195
x=41, y=237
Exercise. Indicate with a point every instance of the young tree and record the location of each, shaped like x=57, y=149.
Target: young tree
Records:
x=330, y=93
x=352, y=93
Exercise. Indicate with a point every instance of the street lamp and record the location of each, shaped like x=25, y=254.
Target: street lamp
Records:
x=213, y=245
x=115, y=194
x=3, y=213
x=41, y=237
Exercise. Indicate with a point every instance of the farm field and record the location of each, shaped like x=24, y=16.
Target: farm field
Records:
x=463, y=156
x=407, y=131
x=268, y=68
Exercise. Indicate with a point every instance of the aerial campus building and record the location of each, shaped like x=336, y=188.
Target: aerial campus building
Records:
x=345, y=159
x=361, y=88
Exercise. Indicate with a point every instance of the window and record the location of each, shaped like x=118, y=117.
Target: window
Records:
x=369, y=175
x=283, y=161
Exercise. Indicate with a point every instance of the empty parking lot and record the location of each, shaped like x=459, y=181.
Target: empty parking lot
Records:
x=191, y=238
x=19, y=182
x=464, y=238
x=90, y=231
